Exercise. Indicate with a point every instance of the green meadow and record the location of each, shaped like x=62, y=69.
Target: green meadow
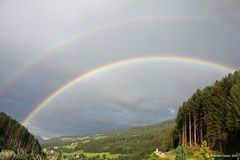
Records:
x=90, y=155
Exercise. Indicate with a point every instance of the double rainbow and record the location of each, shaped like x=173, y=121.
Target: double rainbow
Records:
x=103, y=68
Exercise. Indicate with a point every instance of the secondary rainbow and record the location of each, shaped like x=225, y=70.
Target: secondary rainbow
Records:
x=54, y=50
x=103, y=68
x=51, y=51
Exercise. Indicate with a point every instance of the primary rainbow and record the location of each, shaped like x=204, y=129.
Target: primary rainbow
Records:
x=96, y=70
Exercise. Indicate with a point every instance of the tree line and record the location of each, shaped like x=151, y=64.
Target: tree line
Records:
x=212, y=114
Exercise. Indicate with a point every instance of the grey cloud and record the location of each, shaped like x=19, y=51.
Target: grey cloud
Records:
x=130, y=95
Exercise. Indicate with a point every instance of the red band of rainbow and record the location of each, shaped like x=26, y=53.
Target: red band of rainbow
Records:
x=89, y=73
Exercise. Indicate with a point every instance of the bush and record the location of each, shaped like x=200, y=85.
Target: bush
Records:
x=181, y=153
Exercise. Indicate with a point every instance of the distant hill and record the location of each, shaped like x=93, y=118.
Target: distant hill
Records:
x=15, y=137
x=135, y=142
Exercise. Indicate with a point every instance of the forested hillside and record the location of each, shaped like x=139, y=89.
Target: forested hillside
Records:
x=134, y=143
x=212, y=114
x=15, y=137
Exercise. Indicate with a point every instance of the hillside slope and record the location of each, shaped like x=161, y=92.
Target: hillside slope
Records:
x=135, y=143
x=13, y=136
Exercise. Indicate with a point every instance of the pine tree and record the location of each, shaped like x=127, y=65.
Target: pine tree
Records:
x=190, y=129
x=195, y=129
x=233, y=105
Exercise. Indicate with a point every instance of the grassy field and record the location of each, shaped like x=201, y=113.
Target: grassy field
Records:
x=71, y=146
x=108, y=155
x=72, y=142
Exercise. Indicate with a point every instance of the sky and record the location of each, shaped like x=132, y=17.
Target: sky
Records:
x=44, y=44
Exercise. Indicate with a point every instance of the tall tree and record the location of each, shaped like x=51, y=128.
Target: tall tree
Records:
x=190, y=129
x=195, y=130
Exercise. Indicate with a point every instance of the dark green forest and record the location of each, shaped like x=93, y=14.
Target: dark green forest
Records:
x=15, y=137
x=137, y=142
x=134, y=143
x=212, y=114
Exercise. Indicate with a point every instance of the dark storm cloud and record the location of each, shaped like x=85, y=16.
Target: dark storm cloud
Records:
x=125, y=97
x=132, y=95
